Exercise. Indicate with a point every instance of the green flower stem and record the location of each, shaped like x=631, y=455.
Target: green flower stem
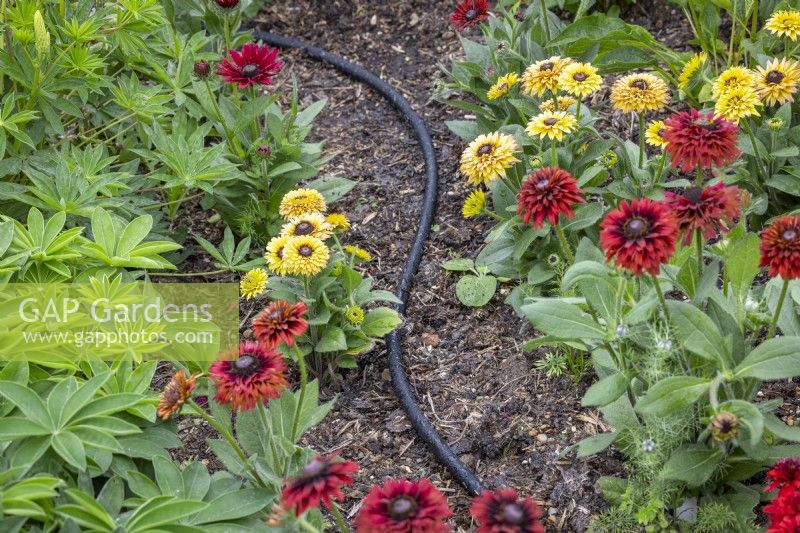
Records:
x=305, y=526
x=340, y=523
x=544, y=18
x=262, y=413
x=661, y=163
x=774, y=324
x=228, y=437
x=578, y=109
x=641, y=140
x=754, y=142
x=661, y=298
x=233, y=141
x=227, y=30
x=698, y=242
x=698, y=179
x=301, y=363
x=553, y=152
x=562, y=239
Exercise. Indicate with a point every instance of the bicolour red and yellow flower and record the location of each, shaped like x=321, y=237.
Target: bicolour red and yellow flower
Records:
x=546, y=194
x=712, y=210
x=700, y=139
x=402, y=506
x=780, y=247
x=280, y=322
x=784, y=510
x=504, y=511
x=319, y=483
x=469, y=13
x=257, y=375
x=175, y=393
x=252, y=65
x=639, y=235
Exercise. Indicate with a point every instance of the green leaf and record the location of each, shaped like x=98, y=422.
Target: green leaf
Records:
x=605, y=391
x=693, y=464
x=133, y=234
x=26, y=401
x=777, y=358
x=459, y=264
x=749, y=417
x=476, y=291
x=380, y=322
x=595, y=444
x=563, y=320
x=697, y=332
x=333, y=340
x=16, y=427
x=672, y=394
x=742, y=264
x=70, y=448
x=234, y=505
x=775, y=426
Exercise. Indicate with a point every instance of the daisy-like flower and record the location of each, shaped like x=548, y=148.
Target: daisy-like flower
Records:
x=257, y=375
x=564, y=103
x=354, y=314
x=777, y=82
x=736, y=104
x=175, y=394
x=784, y=476
x=546, y=194
x=784, y=513
x=543, y=75
x=780, y=247
x=253, y=65
x=690, y=68
x=474, y=204
x=358, y=253
x=732, y=78
x=320, y=482
x=503, y=511
x=488, y=157
x=639, y=235
x=639, y=93
x=302, y=202
x=305, y=256
x=469, y=13
x=723, y=426
x=502, y=86
x=402, y=506
x=712, y=210
x=339, y=221
x=313, y=224
x=254, y=283
x=552, y=124
x=785, y=23
x=580, y=79
x=280, y=322
x=697, y=139
x=275, y=256
x=654, y=132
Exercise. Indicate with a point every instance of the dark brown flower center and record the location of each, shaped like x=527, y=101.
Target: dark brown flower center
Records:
x=279, y=253
x=543, y=184
x=789, y=234
x=513, y=514
x=693, y=194
x=248, y=71
x=580, y=76
x=502, y=87
x=471, y=14
x=305, y=251
x=485, y=149
x=547, y=66
x=661, y=132
x=314, y=468
x=304, y=228
x=775, y=77
x=402, y=508
x=550, y=121
x=246, y=365
x=640, y=84
x=273, y=313
x=635, y=228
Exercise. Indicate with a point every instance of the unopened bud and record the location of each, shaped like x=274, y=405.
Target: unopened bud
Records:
x=41, y=36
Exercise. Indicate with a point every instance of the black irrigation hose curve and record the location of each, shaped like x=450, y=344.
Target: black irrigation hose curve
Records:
x=394, y=341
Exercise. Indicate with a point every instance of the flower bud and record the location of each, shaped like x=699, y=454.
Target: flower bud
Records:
x=263, y=151
x=536, y=162
x=202, y=68
x=724, y=426
x=41, y=36
x=609, y=159
x=775, y=123
x=227, y=4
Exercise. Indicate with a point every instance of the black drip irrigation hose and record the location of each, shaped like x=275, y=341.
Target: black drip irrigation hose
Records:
x=394, y=340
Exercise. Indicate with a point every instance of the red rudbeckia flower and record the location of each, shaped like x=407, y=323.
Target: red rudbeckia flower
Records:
x=697, y=139
x=711, y=209
x=402, y=506
x=784, y=513
x=320, y=482
x=546, y=194
x=784, y=474
x=780, y=247
x=227, y=4
x=176, y=392
x=257, y=375
x=280, y=322
x=470, y=12
x=503, y=511
x=254, y=64
x=640, y=235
